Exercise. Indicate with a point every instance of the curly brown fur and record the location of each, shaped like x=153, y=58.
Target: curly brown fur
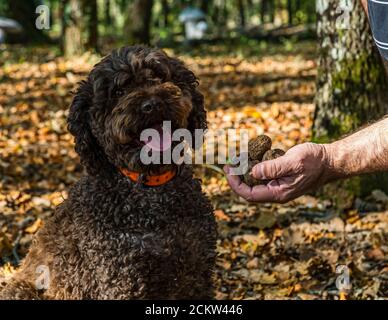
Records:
x=113, y=239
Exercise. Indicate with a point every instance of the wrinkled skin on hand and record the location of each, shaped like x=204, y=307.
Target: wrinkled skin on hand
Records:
x=303, y=168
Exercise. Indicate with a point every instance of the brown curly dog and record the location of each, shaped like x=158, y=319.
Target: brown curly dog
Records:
x=127, y=230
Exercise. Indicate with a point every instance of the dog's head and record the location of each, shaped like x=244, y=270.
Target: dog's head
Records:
x=132, y=89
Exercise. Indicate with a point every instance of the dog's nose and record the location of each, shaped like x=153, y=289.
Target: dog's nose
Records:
x=151, y=105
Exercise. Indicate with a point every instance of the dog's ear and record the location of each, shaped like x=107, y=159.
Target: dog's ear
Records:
x=197, y=117
x=183, y=76
x=86, y=145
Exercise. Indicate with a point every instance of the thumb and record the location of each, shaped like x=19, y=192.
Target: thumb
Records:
x=274, y=169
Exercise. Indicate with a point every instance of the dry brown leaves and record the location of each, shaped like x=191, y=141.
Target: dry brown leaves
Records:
x=264, y=251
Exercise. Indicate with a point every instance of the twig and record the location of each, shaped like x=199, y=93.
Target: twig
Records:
x=214, y=168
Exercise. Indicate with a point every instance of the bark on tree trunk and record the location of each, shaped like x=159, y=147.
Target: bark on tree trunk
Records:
x=251, y=10
x=272, y=11
x=92, y=21
x=290, y=12
x=73, y=35
x=166, y=13
x=225, y=14
x=351, y=84
x=298, y=5
x=215, y=14
x=61, y=13
x=139, y=21
x=241, y=10
x=107, y=14
x=264, y=8
x=205, y=6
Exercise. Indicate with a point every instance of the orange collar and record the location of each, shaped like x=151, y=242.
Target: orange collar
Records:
x=151, y=181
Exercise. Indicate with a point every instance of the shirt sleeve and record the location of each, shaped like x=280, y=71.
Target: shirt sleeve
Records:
x=378, y=14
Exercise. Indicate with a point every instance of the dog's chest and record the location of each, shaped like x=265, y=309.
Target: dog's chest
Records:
x=140, y=243
x=153, y=237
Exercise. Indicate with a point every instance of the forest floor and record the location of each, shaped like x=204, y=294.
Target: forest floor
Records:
x=265, y=251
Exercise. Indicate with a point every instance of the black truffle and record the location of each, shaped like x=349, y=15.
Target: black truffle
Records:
x=259, y=149
x=258, y=146
x=273, y=154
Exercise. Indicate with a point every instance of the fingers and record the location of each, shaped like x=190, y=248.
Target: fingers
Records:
x=261, y=193
x=291, y=175
x=274, y=169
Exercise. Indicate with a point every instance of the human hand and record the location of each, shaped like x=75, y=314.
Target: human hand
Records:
x=303, y=168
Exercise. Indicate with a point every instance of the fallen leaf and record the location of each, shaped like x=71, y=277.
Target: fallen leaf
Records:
x=35, y=226
x=220, y=215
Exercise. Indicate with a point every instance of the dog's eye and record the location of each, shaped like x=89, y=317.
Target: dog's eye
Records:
x=118, y=93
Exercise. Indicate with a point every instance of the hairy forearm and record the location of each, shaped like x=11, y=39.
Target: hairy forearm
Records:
x=309, y=165
x=365, y=151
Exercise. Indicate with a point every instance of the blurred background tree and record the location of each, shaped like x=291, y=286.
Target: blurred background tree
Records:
x=348, y=62
x=74, y=28
x=79, y=25
x=138, y=21
x=24, y=13
x=351, y=84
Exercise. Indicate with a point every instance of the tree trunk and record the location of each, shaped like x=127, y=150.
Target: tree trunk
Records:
x=241, y=10
x=74, y=44
x=107, y=14
x=251, y=9
x=298, y=5
x=225, y=11
x=310, y=9
x=351, y=84
x=290, y=12
x=264, y=9
x=139, y=21
x=91, y=12
x=166, y=13
x=272, y=11
x=62, y=17
x=205, y=6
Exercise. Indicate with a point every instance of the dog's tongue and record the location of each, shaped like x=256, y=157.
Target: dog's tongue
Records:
x=160, y=142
